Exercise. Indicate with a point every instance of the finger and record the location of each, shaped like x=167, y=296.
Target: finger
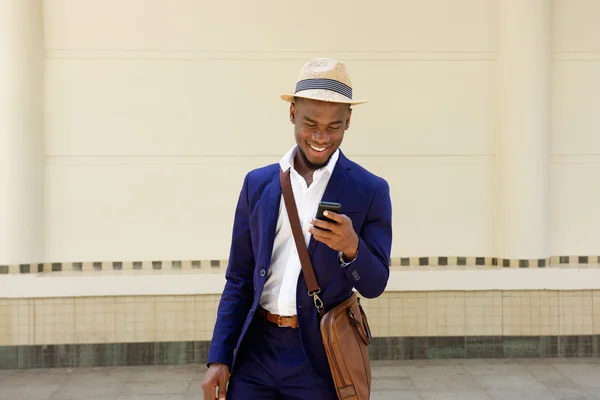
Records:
x=340, y=218
x=223, y=389
x=323, y=224
x=323, y=236
x=324, y=240
x=210, y=391
x=320, y=233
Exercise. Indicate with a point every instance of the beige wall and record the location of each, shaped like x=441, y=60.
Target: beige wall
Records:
x=156, y=111
x=575, y=123
x=21, y=132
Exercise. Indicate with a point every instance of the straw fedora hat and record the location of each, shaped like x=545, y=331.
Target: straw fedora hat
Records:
x=326, y=80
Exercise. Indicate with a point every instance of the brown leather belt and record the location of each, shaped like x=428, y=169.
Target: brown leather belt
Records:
x=280, y=321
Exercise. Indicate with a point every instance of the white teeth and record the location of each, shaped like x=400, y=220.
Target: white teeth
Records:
x=317, y=148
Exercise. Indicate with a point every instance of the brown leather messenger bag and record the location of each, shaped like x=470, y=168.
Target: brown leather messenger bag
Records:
x=344, y=328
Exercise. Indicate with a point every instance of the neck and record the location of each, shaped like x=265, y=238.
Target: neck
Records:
x=303, y=169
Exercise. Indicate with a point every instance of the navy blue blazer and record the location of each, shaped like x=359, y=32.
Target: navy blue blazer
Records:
x=365, y=199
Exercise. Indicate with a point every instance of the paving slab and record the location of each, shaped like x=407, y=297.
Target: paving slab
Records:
x=473, y=379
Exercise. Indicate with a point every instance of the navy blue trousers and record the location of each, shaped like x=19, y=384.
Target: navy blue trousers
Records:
x=271, y=365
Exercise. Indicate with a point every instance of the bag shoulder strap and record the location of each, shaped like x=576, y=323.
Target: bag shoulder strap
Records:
x=307, y=268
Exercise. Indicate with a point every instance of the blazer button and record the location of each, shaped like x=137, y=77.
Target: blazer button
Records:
x=263, y=272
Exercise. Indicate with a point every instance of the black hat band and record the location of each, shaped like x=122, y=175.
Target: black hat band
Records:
x=327, y=84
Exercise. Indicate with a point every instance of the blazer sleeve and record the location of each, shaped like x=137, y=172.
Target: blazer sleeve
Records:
x=238, y=293
x=369, y=272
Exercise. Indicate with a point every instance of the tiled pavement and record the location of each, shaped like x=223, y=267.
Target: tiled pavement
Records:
x=567, y=378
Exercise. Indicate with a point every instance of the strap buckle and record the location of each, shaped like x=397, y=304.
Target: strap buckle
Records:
x=317, y=300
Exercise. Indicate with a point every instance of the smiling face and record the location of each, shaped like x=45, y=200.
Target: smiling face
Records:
x=319, y=128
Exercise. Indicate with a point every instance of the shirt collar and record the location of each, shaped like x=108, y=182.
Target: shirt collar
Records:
x=287, y=161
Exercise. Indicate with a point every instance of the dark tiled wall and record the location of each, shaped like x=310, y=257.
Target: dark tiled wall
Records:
x=101, y=355
x=390, y=348
x=446, y=347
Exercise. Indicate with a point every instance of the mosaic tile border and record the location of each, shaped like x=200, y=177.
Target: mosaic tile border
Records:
x=204, y=265
x=382, y=348
x=495, y=262
x=109, y=266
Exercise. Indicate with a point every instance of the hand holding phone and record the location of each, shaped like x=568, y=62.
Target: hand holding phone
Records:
x=327, y=206
x=336, y=232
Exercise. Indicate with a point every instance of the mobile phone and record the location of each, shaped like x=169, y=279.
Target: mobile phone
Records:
x=327, y=206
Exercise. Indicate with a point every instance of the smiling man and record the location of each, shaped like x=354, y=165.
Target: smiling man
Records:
x=267, y=343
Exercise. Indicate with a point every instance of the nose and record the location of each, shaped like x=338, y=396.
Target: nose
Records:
x=320, y=136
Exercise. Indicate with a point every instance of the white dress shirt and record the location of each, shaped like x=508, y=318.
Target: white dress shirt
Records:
x=279, y=294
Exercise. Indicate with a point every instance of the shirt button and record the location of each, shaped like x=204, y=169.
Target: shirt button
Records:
x=263, y=272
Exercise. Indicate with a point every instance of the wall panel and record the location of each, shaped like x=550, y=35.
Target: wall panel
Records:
x=225, y=107
x=575, y=123
x=156, y=111
x=269, y=25
x=575, y=25
x=575, y=205
x=159, y=209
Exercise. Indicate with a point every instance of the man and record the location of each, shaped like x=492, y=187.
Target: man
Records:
x=267, y=330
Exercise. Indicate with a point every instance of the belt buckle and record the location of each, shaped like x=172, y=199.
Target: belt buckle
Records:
x=279, y=317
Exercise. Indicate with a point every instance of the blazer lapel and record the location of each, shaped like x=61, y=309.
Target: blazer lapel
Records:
x=336, y=184
x=271, y=211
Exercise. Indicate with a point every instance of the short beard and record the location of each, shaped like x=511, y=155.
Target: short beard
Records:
x=310, y=165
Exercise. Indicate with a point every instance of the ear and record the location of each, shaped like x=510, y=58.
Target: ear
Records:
x=348, y=118
x=292, y=113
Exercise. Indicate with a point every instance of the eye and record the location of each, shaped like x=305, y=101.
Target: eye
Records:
x=311, y=126
x=334, y=128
